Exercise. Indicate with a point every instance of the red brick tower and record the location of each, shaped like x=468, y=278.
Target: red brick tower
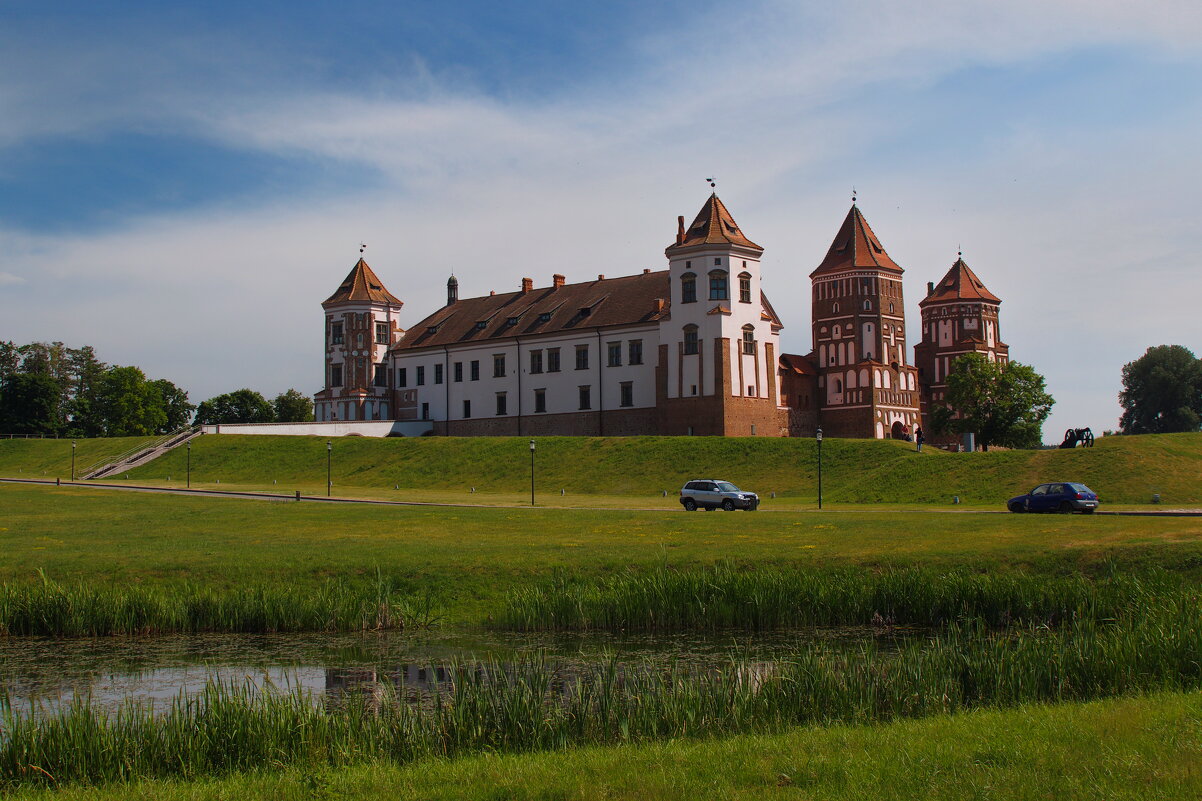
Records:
x=959, y=316
x=865, y=387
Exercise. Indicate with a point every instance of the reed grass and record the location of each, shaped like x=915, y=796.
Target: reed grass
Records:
x=50, y=608
x=532, y=706
x=725, y=596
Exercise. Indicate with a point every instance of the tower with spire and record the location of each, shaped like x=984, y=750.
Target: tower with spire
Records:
x=720, y=345
x=959, y=316
x=865, y=388
x=361, y=325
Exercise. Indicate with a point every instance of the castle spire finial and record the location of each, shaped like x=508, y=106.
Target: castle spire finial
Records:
x=362, y=247
x=853, y=196
x=713, y=184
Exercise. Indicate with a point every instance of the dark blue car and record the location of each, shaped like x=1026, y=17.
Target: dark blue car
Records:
x=1064, y=497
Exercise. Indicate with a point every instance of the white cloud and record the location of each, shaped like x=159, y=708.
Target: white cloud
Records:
x=8, y=279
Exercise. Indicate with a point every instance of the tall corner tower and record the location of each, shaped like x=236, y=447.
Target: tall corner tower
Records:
x=361, y=325
x=865, y=387
x=959, y=316
x=720, y=344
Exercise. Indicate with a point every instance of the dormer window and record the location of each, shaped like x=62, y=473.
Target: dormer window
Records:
x=585, y=311
x=511, y=321
x=482, y=324
x=545, y=317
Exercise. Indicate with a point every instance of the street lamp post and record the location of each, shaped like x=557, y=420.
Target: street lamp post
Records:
x=72, y=460
x=532, y=472
x=329, y=458
x=189, y=446
x=818, y=436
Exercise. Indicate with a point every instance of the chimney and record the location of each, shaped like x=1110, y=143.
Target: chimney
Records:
x=646, y=270
x=557, y=280
x=660, y=303
x=492, y=292
x=600, y=277
x=930, y=288
x=679, y=230
x=527, y=285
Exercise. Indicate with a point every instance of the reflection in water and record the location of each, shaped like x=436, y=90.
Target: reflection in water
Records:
x=49, y=673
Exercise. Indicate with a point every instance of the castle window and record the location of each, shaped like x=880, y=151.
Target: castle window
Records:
x=717, y=262
x=749, y=340
x=438, y=374
x=402, y=377
x=425, y=411
x=335, y=333
x=381, y=333
x=540, y=400
x=335, y=375
x=457, y=371
x=467, y=409
x=380, y=379
x=582, y=357
x=627, y=393
x=536, y=361
x=614, y=350
x=586, y=397
x=359, y=340
x=690, y=339
x=552, y=360
x=744, y=287
x=501, y=403
x=868, y=305
x=891, y=308
x=498, y=365
x=835, y=307
x=719, y=285
x=688, y=288
x=475, y=369
x=635, y=352
x=421, y=375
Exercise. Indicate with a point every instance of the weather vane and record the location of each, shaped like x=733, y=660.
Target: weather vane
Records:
x=853, y=196
x=959, y=251
x=362, y=247
x=712, y=184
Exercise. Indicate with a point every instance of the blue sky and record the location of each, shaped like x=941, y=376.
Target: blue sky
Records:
x=181, y=186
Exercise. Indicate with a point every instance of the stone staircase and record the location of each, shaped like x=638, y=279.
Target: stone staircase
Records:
x=142, y=454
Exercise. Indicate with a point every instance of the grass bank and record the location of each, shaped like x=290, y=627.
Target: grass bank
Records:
x=529, y=705
x=1130, y=748
x=51, y=458
x=1124, y=470
x=468, y=560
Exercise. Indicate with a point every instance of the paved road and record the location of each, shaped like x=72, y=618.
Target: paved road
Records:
x=270, y=496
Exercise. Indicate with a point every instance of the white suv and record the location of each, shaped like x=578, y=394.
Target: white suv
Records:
x=710, y=494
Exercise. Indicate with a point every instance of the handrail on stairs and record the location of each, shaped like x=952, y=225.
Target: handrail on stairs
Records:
x=138, y=450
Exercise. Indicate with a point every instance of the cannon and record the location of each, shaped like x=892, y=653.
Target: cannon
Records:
x=1075, y=436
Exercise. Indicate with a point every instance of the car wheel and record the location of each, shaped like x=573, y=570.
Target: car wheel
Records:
x=1087, y=511
x=1017, y=508
x=1066, y=508
x=690, y=505
x=728, y=505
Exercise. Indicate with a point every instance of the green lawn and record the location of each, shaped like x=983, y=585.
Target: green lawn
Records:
x=1130, y=748
x=471, y=557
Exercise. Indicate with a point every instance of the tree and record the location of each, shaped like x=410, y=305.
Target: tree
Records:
x=29, y=404
x=83, y=409
x=128, y=404
x=1003, y=404
x=293, y=407
x=175, y=405
x=1162, y=392
x=240, y=406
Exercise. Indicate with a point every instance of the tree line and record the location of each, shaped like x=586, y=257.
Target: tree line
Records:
x=50, y=389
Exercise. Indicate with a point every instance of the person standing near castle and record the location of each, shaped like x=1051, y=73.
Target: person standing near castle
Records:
x=918, y=438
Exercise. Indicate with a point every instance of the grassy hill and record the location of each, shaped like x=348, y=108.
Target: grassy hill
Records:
x=51, y=458
x=1120, y=469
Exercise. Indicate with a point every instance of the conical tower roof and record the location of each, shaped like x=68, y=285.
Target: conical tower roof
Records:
x=960, y=283
x=713, y=226
x=361, y=284
x=856, y=247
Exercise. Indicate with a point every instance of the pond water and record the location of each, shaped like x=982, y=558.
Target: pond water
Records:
x=48, y=673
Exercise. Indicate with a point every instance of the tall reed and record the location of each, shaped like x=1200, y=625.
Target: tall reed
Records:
x=49, y=608
x=767, y=598
x=529, y=705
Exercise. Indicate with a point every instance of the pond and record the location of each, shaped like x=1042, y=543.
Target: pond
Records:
x=48, y=673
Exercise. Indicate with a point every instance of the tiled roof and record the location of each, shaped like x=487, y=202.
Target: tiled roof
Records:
x=713, y=226
x=855, y=246
x=801, y=365
x=627, y=300
x=361, y=284
x=960, y=283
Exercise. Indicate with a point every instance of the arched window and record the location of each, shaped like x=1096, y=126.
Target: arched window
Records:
x=835, y=307
x=749, y=340
x=690, y=339
x=868, y=305
x=719, y=285
x=688, y=288
x=838, y=386
x=745, y=287
x=891, y=308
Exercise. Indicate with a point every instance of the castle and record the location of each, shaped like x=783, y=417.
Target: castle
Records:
x=690, y=350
